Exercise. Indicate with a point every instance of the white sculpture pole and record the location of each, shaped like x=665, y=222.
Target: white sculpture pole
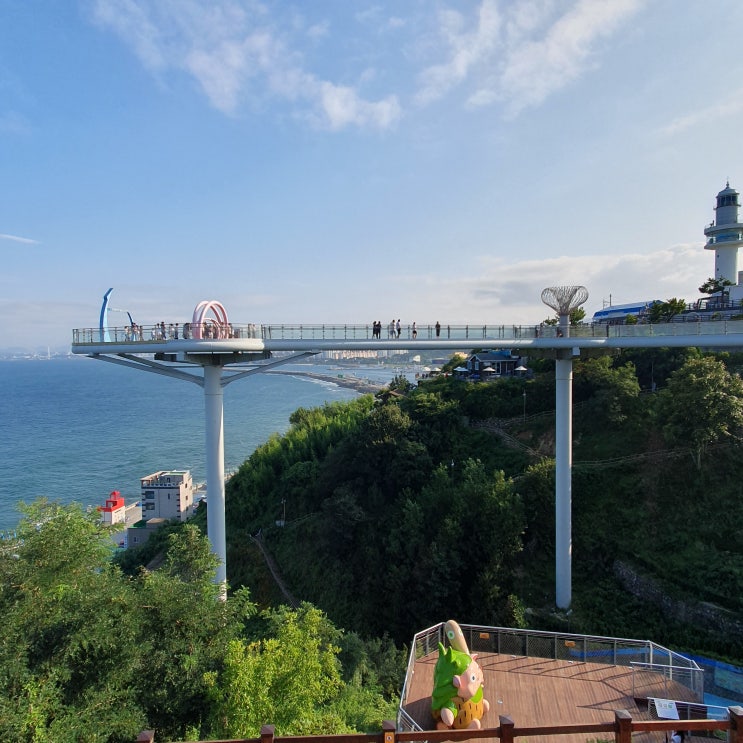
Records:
x=563, y=299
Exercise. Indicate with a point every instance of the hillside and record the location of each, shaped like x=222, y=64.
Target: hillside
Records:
x=408, y=508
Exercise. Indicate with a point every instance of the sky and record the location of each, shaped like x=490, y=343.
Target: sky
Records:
x=345, y=161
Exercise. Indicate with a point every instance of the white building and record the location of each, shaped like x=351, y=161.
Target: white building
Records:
x=725, y=236
x=167, y=495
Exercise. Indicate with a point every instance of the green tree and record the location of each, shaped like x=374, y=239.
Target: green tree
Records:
x=288, y=677
x=90, y=654
x=576, y=317
x=665, y=311
x=68, y=651
x=400, y=383
x=715, y=286
x=653, y=366
x=701, y=405
x=184, y=629
x=610, y=392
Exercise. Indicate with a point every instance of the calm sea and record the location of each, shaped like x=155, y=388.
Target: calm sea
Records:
x=74, y=429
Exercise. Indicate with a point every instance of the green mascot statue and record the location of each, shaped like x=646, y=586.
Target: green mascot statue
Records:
x=457, y=700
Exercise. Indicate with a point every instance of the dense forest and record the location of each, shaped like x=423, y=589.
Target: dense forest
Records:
x=401, y=510
x=378, y=518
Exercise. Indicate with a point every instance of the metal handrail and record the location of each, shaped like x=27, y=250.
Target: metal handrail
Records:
x=473, y=334
x=553, y=645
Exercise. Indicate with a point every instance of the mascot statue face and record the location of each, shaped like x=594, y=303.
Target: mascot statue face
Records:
x=469, y=682
x=457, y=699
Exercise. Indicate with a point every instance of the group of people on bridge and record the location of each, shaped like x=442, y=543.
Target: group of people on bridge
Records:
x=394, y=329
x=174, y=331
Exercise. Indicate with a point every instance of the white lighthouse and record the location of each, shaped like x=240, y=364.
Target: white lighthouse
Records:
x=725, y=236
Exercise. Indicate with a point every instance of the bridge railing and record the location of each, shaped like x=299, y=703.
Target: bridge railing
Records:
x=344, y=332
x=472, y=335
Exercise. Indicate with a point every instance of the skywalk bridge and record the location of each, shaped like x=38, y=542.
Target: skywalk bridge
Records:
x=212, y=352
x=180, y=338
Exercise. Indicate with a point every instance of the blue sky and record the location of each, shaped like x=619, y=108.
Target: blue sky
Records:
x=345, y=161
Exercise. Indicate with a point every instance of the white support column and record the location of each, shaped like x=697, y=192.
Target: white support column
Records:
x=214, y=408
x=563, y=465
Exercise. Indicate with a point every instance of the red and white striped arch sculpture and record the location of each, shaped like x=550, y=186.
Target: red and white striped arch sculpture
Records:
x=210, y=320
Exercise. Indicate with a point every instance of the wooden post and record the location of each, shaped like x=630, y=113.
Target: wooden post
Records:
x=506, y=729
x=388, y=731
x=622, y=726
x=736, y=724
x=267, y=733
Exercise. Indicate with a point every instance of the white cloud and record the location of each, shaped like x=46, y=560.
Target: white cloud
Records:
x=536, y=68
x=341, y=106
x=516, y=54
x=24, y=240
x=132, y=22
x=230, y=49
x=523, y=53
x=466, y=49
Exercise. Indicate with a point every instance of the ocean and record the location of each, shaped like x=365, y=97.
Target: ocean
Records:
x=74, y=428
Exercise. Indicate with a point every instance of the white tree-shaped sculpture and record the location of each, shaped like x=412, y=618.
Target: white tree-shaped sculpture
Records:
x=563, y=300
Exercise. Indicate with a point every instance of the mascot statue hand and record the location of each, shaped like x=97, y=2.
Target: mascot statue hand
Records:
x=457, y=700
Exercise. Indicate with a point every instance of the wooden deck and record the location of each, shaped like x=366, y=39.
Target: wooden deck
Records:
x=537, y=691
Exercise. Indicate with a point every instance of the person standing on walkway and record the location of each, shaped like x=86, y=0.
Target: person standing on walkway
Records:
x=438, y=328
x=399, y=327
x=415, y=331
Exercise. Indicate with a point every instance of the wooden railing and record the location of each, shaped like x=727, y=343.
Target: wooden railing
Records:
x=621, y=729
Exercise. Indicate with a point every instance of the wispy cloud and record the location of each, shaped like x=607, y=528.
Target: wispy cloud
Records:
x=518, y=54
x=465, y=49
x=514, y=54
x=24, y=240
x=238, y=54
x=14, y=123
x=709, y=114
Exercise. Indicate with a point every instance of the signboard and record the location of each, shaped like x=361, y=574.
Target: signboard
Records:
x=666, y=709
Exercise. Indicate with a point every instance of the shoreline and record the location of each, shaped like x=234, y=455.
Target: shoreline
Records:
x=362, y=386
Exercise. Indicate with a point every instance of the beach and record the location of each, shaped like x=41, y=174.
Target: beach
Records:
x=362, y=386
